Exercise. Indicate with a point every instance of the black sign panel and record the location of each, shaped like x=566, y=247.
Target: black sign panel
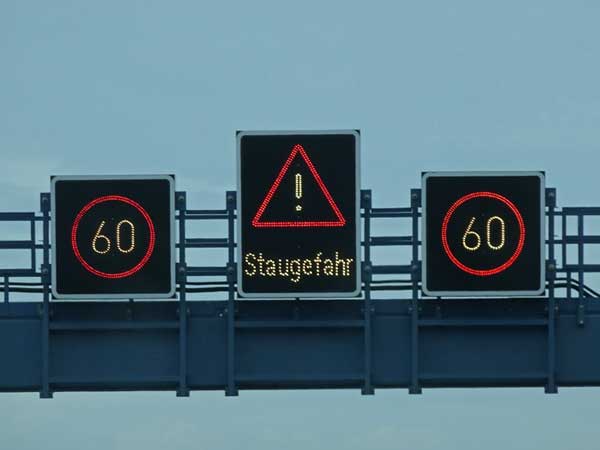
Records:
x=483, y=233
x=298, y=214
x=113, y=237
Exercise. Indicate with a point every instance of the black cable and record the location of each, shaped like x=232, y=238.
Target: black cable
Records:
x=574, y=284
x=199, y=290
x=26, y=290
x=392, y=288
x=23, y=283
x=376, y=285
x=390, y=281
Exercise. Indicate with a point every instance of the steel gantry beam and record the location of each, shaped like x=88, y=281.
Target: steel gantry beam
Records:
x=406, y=341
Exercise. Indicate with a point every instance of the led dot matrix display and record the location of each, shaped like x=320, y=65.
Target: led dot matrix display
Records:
x=298, y=221
x=483, y=233
x=113, y=236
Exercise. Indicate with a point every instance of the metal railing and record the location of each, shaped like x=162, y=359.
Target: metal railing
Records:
x=566, y=277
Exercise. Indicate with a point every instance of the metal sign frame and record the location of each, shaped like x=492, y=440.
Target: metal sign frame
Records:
x=542, y=232
x=171, y=180
x=357, y=256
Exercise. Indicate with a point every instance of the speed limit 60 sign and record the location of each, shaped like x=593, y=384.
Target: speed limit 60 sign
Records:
x=483, y=233
x=113, y=236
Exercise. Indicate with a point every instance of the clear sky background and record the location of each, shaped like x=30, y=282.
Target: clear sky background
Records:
x=161, y=87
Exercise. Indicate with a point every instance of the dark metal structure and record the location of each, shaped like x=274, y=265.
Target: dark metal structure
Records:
x=366, y=343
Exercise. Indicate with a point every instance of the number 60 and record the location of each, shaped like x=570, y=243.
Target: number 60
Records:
x=477, y=237
x=107, y=243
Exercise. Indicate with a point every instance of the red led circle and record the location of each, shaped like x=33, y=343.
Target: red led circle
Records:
x=85, y=210
x=500, y=268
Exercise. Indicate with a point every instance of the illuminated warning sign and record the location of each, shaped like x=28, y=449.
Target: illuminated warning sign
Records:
x=301, y=213
x=298, y=214
x=483, y=233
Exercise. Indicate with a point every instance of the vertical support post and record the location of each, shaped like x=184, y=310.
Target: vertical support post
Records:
x=5, y=288
x=45, y=278
x=32, y=234
x=365, y=202
x=580, y=261
x=231, y=389
x=551, y=387
x=415, y=274
x=563, y=256
x=181, y=206
x=564, y=239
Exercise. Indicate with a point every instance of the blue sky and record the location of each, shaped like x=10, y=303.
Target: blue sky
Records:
x=161, y=87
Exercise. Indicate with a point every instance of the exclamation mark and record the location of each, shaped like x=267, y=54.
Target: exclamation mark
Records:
x=298, y=190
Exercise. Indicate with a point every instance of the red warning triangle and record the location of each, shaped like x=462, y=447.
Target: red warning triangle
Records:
x=258, y=223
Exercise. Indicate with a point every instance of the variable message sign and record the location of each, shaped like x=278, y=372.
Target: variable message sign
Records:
x=298, y=222
x=483, y=233
x=113, y=236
